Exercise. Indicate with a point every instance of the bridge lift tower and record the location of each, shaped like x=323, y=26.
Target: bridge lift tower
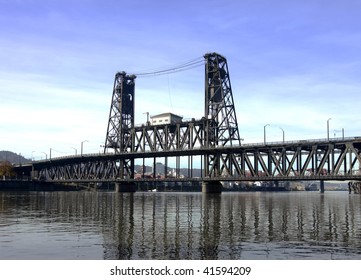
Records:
x=220, y=127
x=222, y=124
x=121, y=122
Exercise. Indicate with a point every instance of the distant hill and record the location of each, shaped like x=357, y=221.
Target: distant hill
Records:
x=12, y=157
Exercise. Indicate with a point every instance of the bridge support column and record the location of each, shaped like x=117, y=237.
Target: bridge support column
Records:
x=125, y=187
x=211, y=187
x=322, y=186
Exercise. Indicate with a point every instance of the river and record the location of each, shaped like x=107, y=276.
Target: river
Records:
x=195, y=226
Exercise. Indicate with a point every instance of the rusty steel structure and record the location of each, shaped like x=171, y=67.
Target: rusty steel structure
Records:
x=214, y=139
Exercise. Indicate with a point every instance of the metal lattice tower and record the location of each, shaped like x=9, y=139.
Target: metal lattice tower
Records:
x=121, y=121
x=222, y=127
x=219, y=105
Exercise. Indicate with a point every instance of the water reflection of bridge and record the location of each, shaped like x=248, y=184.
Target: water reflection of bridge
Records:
x=195, y=226
x=213, y=142
x=222, y=227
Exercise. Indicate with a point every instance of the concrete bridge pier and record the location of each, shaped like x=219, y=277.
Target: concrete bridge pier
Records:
x=322, y=186
x=211, y=187
x=125, y=187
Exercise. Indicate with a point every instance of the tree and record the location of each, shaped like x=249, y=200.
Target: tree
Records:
x=6, y=169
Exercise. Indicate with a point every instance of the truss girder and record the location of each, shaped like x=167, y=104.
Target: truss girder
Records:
x=82, y=171
x=334, y=161
x=169, y=137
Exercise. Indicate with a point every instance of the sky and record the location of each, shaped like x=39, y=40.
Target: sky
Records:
x=294, y=65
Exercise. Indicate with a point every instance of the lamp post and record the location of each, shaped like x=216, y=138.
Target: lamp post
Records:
x=328, y=129
x=283, y=135
x=147, y=117
x=81, y=146
x=32, y=157
x=264, y=133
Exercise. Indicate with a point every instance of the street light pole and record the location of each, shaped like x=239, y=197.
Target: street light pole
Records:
x=328, y=129
x=147, y=117
x=283, y=135
x=264, y=133
x=81, y=146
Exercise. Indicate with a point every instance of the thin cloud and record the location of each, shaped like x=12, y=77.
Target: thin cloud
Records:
x=293, y=65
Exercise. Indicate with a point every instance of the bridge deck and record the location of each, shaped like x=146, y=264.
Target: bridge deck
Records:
x=336, y=159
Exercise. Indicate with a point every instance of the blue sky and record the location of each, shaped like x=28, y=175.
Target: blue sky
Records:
x=293, y=65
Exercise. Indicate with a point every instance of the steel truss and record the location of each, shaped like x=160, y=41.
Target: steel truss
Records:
x=222, y=129
x=217, y=129
x=219, y=105
x=121, y=121
x=305, y=160
x=214, y=139
x=169, y=137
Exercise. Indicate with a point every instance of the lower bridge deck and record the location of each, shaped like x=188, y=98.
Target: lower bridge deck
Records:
x=311, y=160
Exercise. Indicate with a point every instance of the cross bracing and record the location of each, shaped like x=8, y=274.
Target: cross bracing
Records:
x=302, y=160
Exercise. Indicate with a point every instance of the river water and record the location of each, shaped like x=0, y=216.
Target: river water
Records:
x=105, y=225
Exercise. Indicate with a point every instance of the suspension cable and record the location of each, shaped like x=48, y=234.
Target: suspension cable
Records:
x=177, y=68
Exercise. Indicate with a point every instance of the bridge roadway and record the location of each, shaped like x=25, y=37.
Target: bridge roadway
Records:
x=320, y=159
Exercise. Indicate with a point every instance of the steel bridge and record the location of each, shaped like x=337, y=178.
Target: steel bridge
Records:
x=213, y=142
